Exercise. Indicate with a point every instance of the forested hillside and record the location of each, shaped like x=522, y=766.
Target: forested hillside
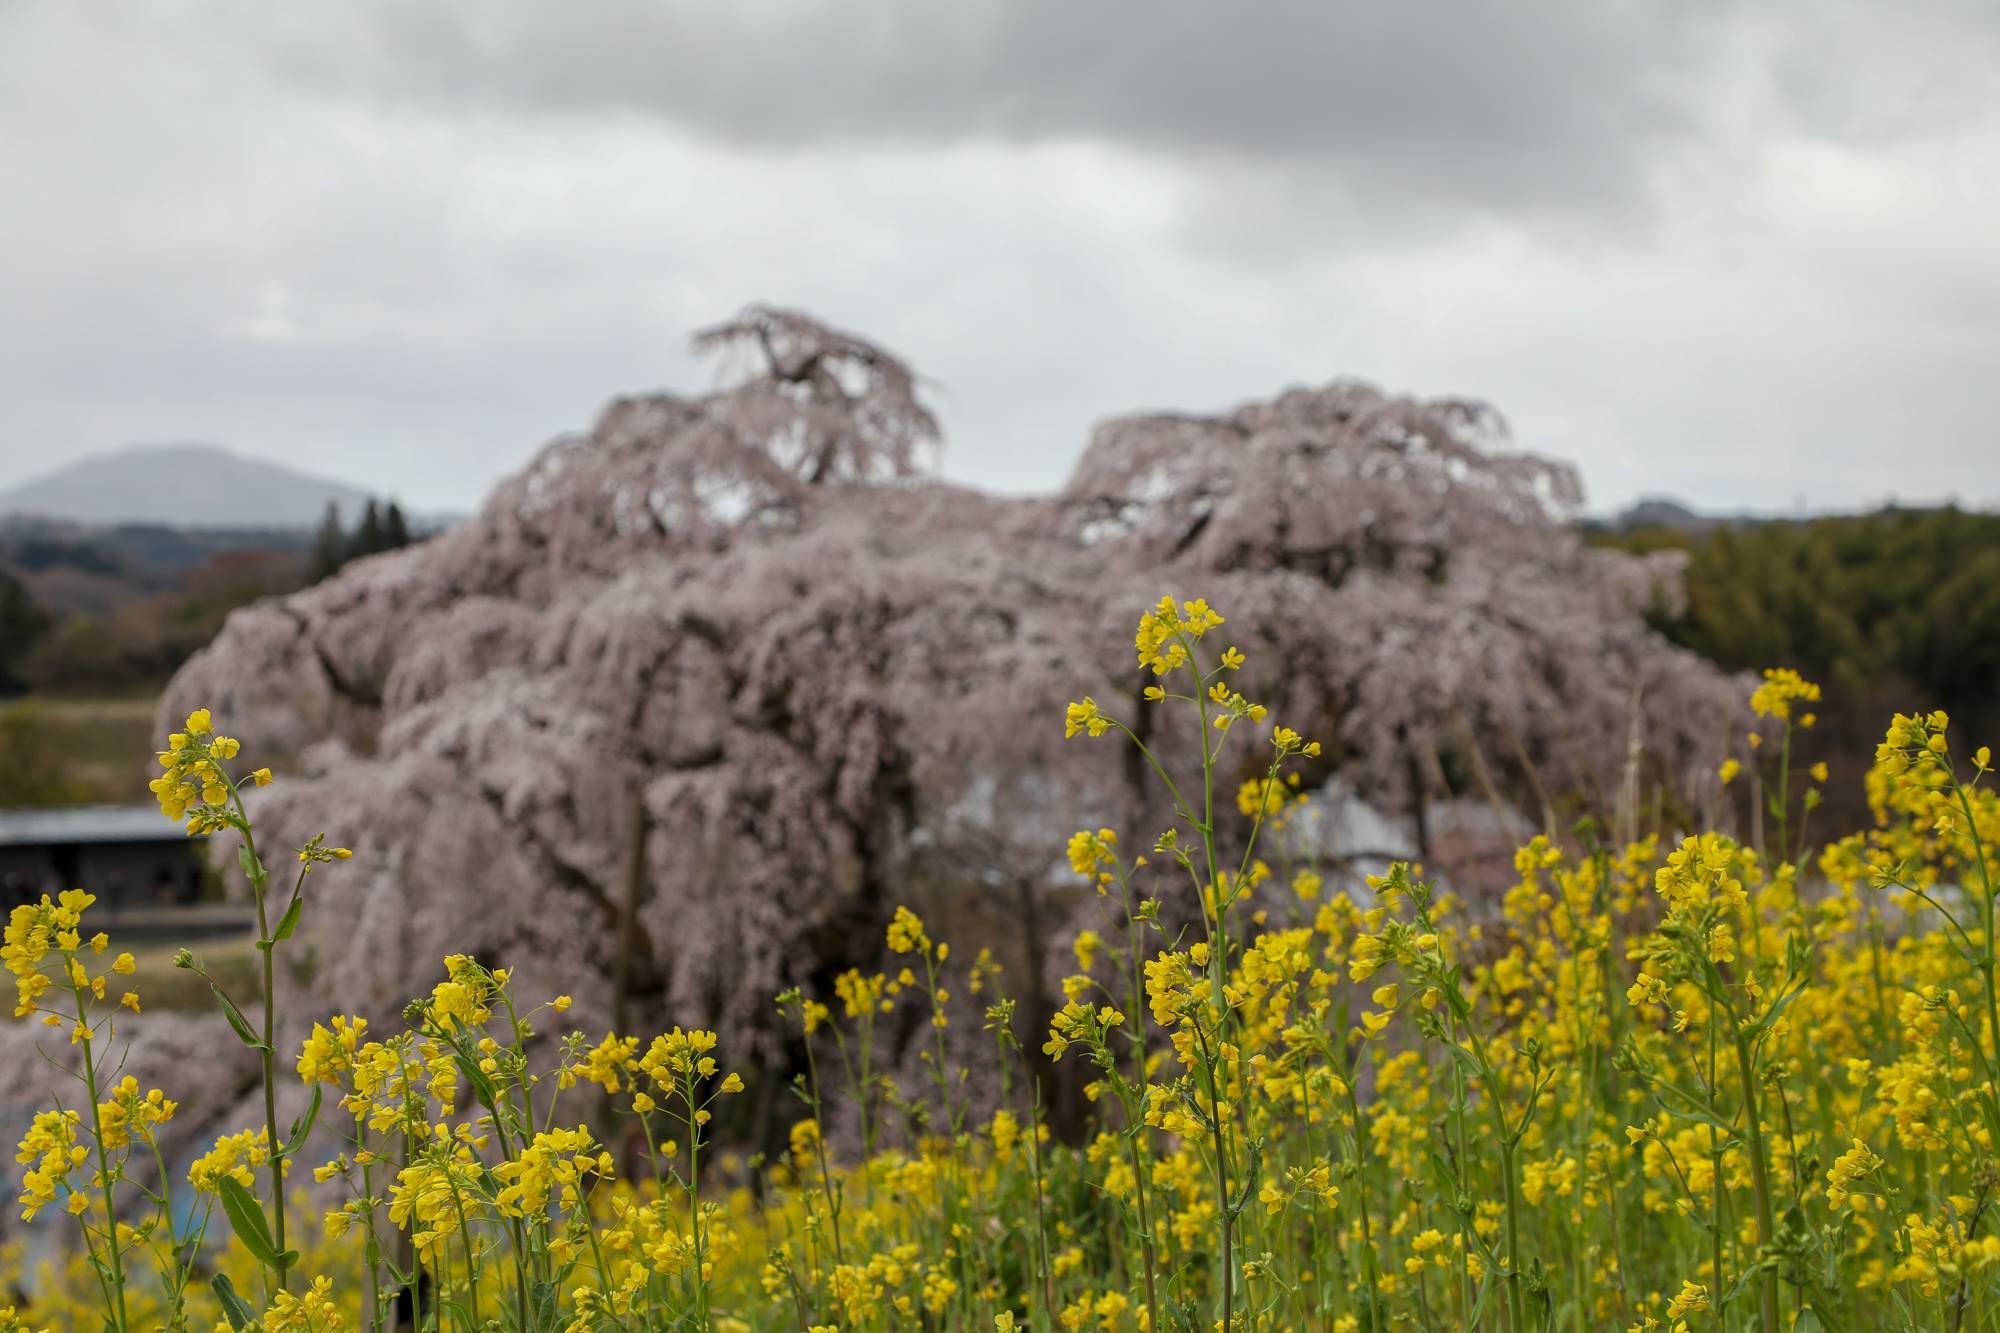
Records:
x=1896, y=609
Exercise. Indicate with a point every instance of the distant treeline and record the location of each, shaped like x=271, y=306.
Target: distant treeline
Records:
x=380, y=528
x=1893, y=610
x=1897, y=609
x=113, y=611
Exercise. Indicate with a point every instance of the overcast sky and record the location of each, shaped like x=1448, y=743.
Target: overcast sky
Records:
x=1741, y=254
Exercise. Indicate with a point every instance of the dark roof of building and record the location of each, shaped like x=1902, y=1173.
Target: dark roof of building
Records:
x=86, y=824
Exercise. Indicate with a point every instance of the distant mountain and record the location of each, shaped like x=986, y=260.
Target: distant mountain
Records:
x=182, y=486
x=1655, y=511
x=1664, y=514
x=1659, y=513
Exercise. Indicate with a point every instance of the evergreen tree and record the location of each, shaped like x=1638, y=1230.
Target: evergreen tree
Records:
x=395, y=530
x=329, y=549
x=367, y=539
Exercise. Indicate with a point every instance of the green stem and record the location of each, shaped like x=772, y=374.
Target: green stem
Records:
x=1210, y=1064
x=819, y=1143
x=1986, y=957
x=694, y=1200
x=1517, y=1313
x=111, y=1246
x=1767, y=1280
x=268, y=1055
x=465, y=1244
x=1369, y=1267
x=1134, y=1114
x=1489, y=1080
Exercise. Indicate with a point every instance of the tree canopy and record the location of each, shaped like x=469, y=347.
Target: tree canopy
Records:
x=735, y=660
x=1896, y=610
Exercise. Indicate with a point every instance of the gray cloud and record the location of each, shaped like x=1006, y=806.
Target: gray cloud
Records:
x=1563, y=101
x=1735, y=252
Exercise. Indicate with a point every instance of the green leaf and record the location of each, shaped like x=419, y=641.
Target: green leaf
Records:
x=246, y=1218
x=1465, y=1061
x=1479, y=1302
x=253, y=869
x=483, y=1087
x=234, y=1310
x=545, y=1301
x=1775, y=1012
x=1700, y=1117
x=1806, y=1321
x=1742, y=1283
x=303, y=1125
x=1450, y=1192
x=1249, y=1180
x=236, y=1020
x=289, y=922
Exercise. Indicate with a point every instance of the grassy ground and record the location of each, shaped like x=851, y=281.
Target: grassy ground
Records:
x=68, y=751
x=233, y=962
x=58, y=751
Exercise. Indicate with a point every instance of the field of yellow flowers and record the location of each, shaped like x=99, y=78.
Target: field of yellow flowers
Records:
x=1705, y=1086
